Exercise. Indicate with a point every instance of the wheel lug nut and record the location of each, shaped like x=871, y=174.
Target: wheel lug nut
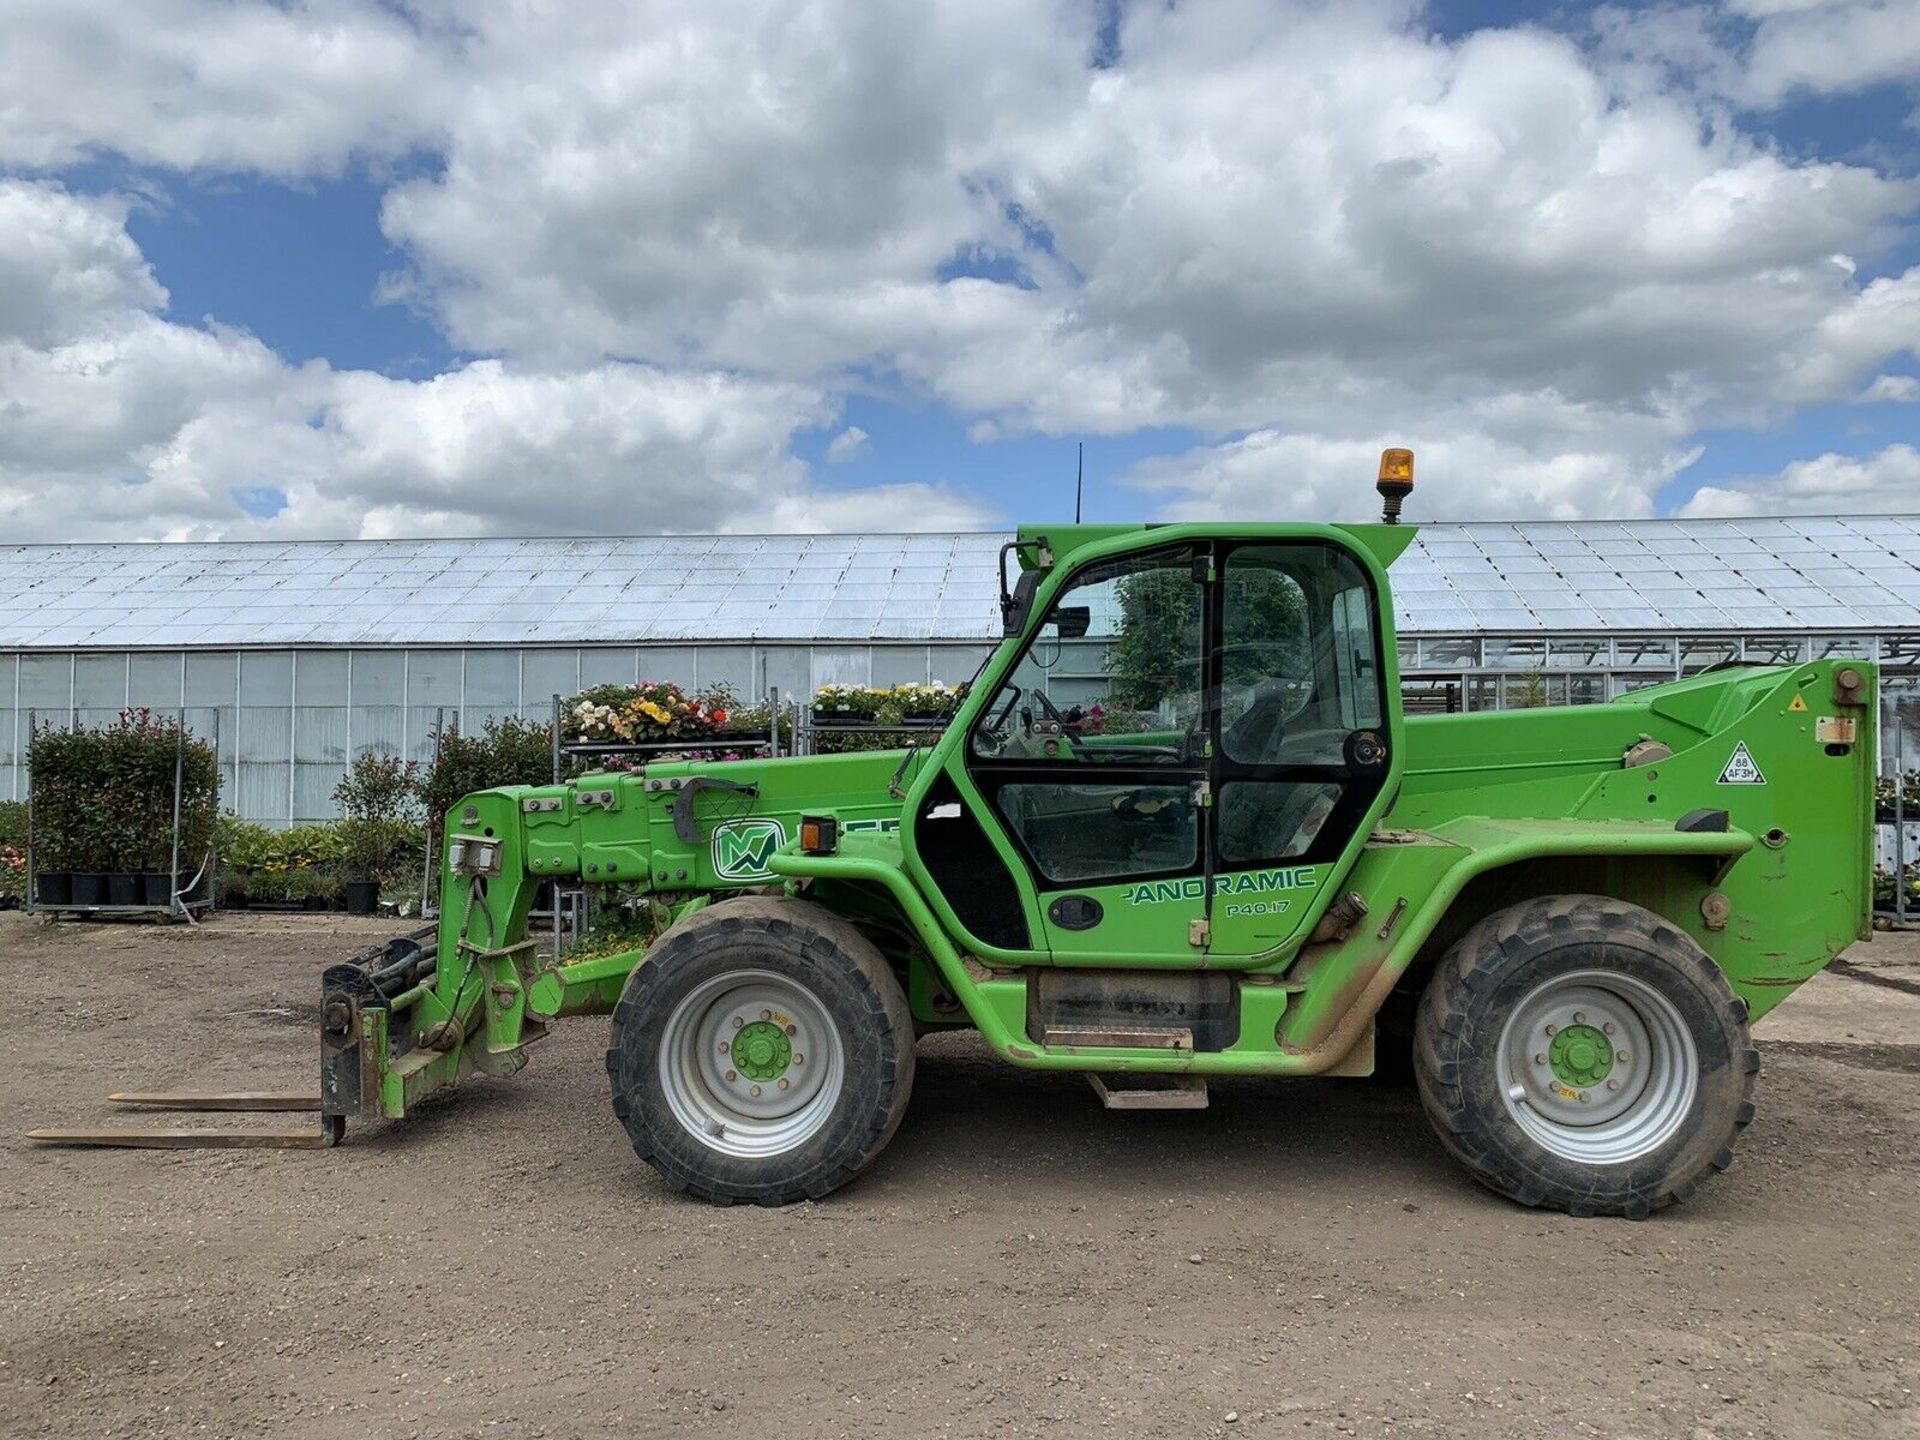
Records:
x=1608, y=1027
x=1613, y=1084
x=724, y=1047
x=738, y=1022
x=1583, y=1097
x=784, y=1082
x=732, y=1076
x=1551, y=1029
x=1622, y=1056
x=756, y=1092
x=1541, y=1058
x=1579, y=1017
x=793, y=1029
x=766, y=1014
x=798, y=1058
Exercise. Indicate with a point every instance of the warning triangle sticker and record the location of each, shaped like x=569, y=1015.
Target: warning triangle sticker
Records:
x=1740, y=768
x=1798, y=702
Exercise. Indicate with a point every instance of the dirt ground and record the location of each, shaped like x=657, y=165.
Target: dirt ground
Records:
x=1300, y=1259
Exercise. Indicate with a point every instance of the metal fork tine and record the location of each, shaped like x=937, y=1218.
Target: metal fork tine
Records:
x=328, y=1133
x=316, y=1139
x=216, y=1100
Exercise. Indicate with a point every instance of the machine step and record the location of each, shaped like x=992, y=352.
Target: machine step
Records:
x=1111, y=1037
x=1152, y=1092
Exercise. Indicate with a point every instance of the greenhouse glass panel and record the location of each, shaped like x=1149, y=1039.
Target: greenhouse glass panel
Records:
x=156, y=680
x=320, y=734
x=1643, y=652
x=1450, y=652
x=729, y=665
x=1582, y=652
x=1828, y=647
x=375, y=728
x=100, y=681
x=610, y=667
x=433, y=677
x=546, y=673
x=320, y=677
x=379, y=677
x=899, y=665
x=266, y=677
x=1508, y=654
x=46, y=682
x=493, y=678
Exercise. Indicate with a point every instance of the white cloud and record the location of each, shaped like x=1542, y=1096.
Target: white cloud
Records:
x=1888, y=481
x=878, y=509
x=1266, y=215
x=1829, y=46
x=1318, y=227
x=65, y=262
x=1890, y=390
x=114, y=421
x=849, y=444
x=284, y=89
x=1522, y=457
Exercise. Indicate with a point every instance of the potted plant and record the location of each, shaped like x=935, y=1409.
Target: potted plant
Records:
x=380, y=799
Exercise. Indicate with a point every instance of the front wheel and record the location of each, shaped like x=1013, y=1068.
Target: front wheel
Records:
x=763, y=1051
x=1582, y=1053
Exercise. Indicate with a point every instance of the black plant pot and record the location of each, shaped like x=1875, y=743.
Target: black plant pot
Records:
x=89, y=889
x=363, y=897
x=55, y=887
x=156, y=888
x=123, y=889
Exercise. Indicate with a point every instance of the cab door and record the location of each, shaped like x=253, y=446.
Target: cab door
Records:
x=1301, y=744
x=1091, y=761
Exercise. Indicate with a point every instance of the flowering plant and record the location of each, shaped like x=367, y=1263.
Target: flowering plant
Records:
x=651, y=710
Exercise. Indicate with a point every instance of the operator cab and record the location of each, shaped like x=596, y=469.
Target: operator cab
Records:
x=1193, y=730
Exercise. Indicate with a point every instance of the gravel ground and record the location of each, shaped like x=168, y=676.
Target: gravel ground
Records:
x=1301, y=1259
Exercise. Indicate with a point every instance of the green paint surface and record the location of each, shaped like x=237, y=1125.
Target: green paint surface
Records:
x=1479, y=811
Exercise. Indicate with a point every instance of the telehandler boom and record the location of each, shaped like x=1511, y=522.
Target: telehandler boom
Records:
x=1180, y=829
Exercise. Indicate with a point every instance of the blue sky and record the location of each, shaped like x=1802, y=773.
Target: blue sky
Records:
x=386, y=302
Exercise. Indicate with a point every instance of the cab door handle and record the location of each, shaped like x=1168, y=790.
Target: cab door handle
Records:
x=1075, y=912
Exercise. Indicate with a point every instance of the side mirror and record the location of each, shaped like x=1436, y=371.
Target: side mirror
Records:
x=1073, y=620
x=1015, y=607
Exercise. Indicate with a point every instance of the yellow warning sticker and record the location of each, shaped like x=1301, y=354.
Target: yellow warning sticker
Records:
x=1799, y=702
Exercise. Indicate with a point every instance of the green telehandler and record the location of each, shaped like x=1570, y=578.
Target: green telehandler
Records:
x=1180, y=829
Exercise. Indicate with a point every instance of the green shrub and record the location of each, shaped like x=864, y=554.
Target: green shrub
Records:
x=380, y=796
x=103, y=797
x=505, y=752
x=13, y=851
x=308, y=861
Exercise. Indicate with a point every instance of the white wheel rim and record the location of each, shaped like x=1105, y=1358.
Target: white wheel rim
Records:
x=1606, y=1112
x=713, y=1095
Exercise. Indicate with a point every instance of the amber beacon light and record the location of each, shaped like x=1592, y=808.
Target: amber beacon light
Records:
x=1395, y=483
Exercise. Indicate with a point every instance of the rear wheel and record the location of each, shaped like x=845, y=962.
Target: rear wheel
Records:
x=763, y=1052
x=1582, y=1053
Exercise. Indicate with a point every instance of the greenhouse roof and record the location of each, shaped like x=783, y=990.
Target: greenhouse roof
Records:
x=1534, y=577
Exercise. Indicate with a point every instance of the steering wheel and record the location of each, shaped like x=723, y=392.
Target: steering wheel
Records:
x=1110, y=754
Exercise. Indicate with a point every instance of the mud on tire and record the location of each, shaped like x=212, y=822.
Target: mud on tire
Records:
x=1531, y=1015
x=723, y=1127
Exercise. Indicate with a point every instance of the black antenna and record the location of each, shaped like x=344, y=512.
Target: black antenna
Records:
x=1079, y=475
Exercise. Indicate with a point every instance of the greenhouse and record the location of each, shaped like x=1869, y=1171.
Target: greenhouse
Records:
x=300, y=655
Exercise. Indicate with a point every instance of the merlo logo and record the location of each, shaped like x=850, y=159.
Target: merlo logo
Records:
x=742, y=848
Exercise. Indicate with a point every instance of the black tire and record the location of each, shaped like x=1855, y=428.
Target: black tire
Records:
x=854, y=986
x=1492, y=972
